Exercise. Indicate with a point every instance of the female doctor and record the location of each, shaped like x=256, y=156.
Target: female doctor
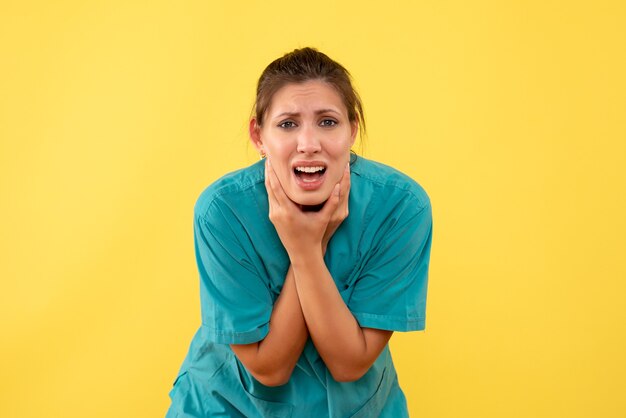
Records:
x=309, y=260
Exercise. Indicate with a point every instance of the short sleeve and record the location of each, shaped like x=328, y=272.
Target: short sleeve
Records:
x=236, y=303
x=391, y=291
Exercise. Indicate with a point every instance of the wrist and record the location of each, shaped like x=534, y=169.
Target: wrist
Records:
x=309, y=258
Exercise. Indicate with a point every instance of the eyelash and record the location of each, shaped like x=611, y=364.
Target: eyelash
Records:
x=282, y=124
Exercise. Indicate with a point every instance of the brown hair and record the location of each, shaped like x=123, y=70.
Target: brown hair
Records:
x=302, y=65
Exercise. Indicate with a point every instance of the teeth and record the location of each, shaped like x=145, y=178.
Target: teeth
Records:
x=309, y=169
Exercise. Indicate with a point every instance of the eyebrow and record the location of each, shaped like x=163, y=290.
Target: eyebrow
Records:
x=317, y=112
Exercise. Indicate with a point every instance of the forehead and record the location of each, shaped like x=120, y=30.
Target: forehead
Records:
x=308, y=96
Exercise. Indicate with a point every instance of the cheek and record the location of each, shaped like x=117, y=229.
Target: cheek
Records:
x=278, y=151
x=341, y=153
x=283, y=173
x=284, y=176
x=340, y=147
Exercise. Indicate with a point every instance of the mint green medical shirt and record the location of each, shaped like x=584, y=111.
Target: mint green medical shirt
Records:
x=378, y=258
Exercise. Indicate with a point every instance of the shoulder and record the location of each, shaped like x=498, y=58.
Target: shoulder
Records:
x=229, y=189
x=388, y=184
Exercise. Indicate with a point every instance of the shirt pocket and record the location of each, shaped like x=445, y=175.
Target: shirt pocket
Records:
x=374, y=405
x=251, y=403
x=185, y=402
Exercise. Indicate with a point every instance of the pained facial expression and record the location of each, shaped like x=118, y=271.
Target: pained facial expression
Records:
x=307, y=137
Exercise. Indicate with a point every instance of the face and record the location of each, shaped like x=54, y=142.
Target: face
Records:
x=307, y=137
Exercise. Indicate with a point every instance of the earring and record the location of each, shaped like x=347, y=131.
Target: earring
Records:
x=262, y=154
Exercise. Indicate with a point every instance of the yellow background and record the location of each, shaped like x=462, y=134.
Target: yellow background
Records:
x=114, y=115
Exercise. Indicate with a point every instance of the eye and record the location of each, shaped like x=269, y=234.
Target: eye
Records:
x=287, y=124
x=328, y=122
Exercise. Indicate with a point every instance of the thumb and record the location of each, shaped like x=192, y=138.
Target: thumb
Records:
x=333, y=202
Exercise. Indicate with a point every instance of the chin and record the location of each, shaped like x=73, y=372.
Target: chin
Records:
x=311, y=199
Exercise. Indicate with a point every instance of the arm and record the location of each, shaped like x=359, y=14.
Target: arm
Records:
x=237, y=306
x=272, y=360
x=347, y=350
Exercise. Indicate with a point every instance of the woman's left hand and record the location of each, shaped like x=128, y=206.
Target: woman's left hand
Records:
x=300, y=232
x=341, y=211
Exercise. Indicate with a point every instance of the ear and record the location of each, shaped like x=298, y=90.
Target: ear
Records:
x=354, y=130
x=255, y=134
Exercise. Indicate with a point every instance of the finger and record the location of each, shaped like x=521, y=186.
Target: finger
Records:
x=345, y=185
x=279, y=193
x=344, y=193
x=268, y=186
x=333, y=202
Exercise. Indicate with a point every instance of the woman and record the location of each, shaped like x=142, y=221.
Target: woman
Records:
x=308, y=259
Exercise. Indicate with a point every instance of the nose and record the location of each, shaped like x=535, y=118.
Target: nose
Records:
x=308, y=141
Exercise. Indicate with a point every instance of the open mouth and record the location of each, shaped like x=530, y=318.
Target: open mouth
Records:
x=309, y=174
